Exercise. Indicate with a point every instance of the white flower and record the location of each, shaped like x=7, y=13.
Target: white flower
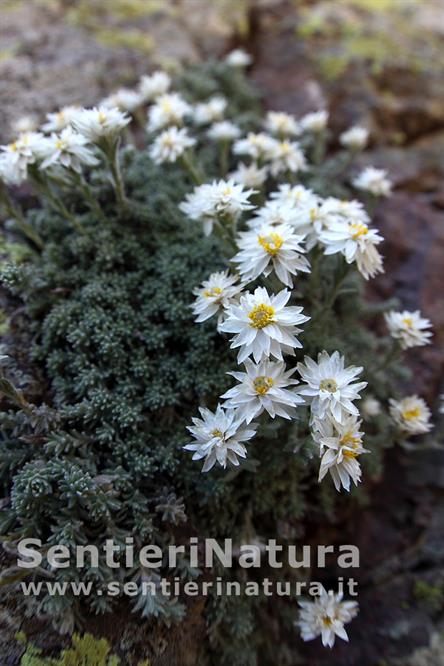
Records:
x=220, y=436
x=325, y=617
x=238, y=58
x=124, y=99
x=409, y=328
x=411, y=415
x=340, y=445
x=263, y=326
x=263, y=387
x=286, y=156
x=28, y=123
x=374, y=181
x=68, y=149
x=215, y=294
x=211, y=111
x=99, y=122
x=370, y=407
x=281, y=124
x=169, y=109
x=258, y=146
x=270, y=248
x=170, y=145
x=357, y=242
x=18, y=155
x=305, y=211
x=150, y=87
x=250, y=175
x=60, y=119
x=329, y=386
x=292, y=195
x=314, y=122
x=354, y=138
x=273, y=213
x=224, y=131
x=209, y=202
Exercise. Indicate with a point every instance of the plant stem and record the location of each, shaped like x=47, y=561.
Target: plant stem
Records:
x=189, y=165
x=14, y=211
x=57, y=204
x=89, y=196
x=112, y=154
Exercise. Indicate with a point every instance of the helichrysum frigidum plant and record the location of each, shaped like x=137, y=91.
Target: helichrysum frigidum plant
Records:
x=206, y=277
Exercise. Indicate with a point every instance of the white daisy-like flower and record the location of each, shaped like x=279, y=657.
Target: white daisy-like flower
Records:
x=329, y=386
x=68, y=149
x=286, y=156
x=370, y=407
x=150, y=87
x=250, y=175
x=374, y=181
x=411, y=415
x=263, y=387
x=309, y=214
x=263, y=325
x=124, y=99
x=224, y=130
x=17, y=156
x=273, y=213
x=293, y=195
x=57, y=121
x=340, y=445
x=238, y=58
x=99, y=122
x=215, y=294
x=356, y=242
x=210, y=112
x=409, y=328
x=270, y=248
x=168, y=109
x=28, y=123
x=170, y=145
x=258, y=146
x=219, y=437
x=314, y=122
x=354, y=138
x=325, y=617
x=220, y=199
x=281, y=124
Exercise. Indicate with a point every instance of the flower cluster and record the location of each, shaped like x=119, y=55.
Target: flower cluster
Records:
x=271, y=230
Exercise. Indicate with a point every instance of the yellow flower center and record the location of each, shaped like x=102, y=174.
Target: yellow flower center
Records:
x=313, y=214
x=328, y=385
x=410, y=414
x=261, y=315
x=358, y=229
x=407, y=321
x=60, y=144
x=217, y=433
x=284, y=147
x=327, y=621
x=271, y=243
x=214, y=292
x=263, y=384
x=166, y=106
x=353, y=442
x=101, y=117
